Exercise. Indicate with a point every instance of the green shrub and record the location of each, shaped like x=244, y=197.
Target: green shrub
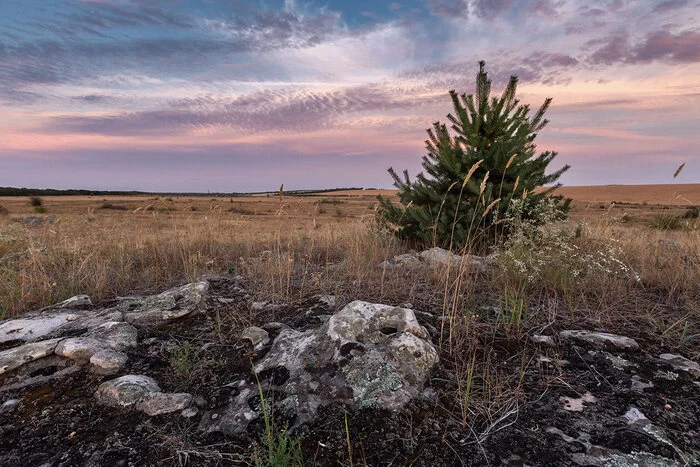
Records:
x=40, y=210
x=35, y=201
x=3, y=210
x=473, y=174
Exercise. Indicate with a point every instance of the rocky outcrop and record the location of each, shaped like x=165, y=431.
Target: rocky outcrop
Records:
x=438, y=258
x=366, y=355
x=98, y=337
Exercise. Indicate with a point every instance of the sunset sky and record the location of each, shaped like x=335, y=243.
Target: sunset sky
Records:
x=234, y=95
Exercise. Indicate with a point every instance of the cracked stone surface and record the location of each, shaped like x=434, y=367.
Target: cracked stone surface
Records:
x=366, y=355
x=600, y=339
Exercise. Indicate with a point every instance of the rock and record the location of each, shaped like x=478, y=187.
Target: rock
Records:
x=74, y=302
x=574, y=404
x=542, y=340
x=8, y=405
x=189, y=412
x=79, y=349
x=157, y=310
x=116, y=334
x=158, y=403
x=256, y=336
x=440, y=257
x=383, y=354
x=108, y=362
x=274, y=326
x=31, y=329
x=15, y=358
x=600, y=339
x=678, y=362
x=405, y=260
x=326, y=300
x=125, y=391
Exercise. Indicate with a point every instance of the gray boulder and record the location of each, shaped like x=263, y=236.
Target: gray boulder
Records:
x=125, y=391
x=366, y=355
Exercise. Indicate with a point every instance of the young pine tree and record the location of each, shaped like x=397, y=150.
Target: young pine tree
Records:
x=472, y=174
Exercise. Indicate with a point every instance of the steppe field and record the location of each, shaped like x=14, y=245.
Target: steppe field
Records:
x=106, y=246
x=626, y=261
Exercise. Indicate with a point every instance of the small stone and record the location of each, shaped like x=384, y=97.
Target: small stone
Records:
x=256, y=336
x=108, y=361
x=667, y=406
x=125, y=391
x=9, y=404
x=79, y=349
x=158, y=403
x=679, y=362
x=600, y=339
x=634, y=415
x=189, y=412
x=274, y=326
x=542, y=340
x=73, y=302
x=573, y=404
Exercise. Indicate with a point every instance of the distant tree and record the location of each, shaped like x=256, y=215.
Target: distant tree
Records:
x=472, y=175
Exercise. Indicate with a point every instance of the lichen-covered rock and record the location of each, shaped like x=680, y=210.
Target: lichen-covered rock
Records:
x=18, y=356
x=156, y=310
x=32, y=328
x=159, y=403
x=365, y=355
x=108, y=361
x=600, y=339
x=679, y=362
x=116, y=334
x=75, y=302
x=125, y=391
x=257, y=337
x=79, y=349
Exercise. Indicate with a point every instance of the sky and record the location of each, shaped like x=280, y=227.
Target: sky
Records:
x=235, y=95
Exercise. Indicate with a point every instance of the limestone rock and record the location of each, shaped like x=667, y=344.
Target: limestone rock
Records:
x=365, y=355
x=125, y=391
x=600, y=339
x=678, y=362
x=74, y=302
x=14, y=358
x=116, y=334
x=404, y=260
x=31, y=329
x=157, y=310
x=158, y=403
x=256, y=336
x=79, y=349
x=108, y=361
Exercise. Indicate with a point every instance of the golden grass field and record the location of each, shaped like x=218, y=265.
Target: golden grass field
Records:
x=107, y=246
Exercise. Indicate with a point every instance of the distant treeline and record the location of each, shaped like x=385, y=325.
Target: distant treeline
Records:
x=10, y=191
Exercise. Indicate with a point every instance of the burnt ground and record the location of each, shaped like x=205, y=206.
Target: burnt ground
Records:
x=59, y=422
